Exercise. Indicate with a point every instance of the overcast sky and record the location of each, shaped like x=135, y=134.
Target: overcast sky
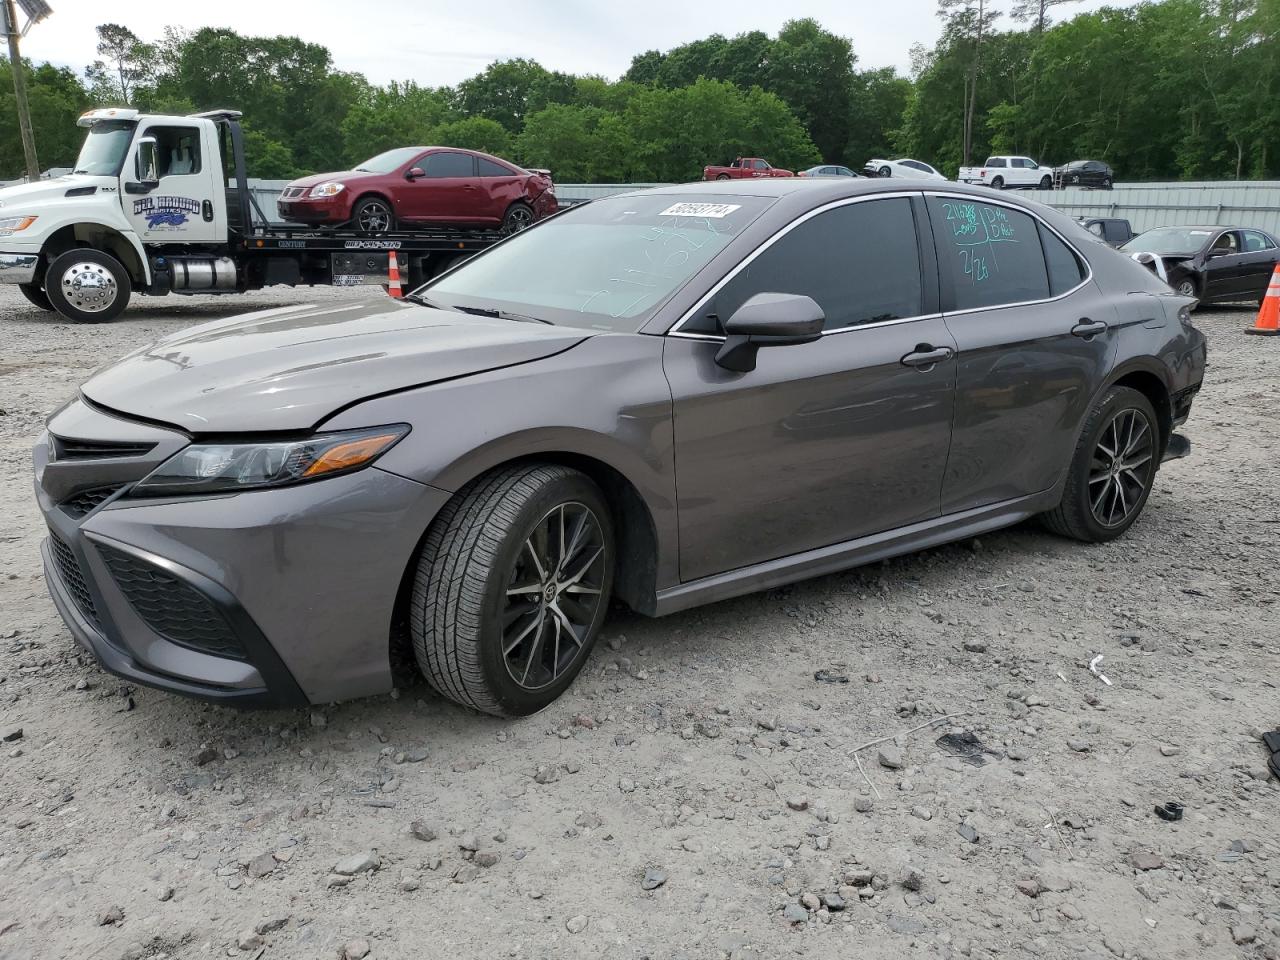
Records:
x=438, y=43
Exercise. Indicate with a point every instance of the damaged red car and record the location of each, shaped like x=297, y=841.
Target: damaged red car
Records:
x=411, y=186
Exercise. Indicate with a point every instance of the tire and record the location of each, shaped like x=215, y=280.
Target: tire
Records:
x=519, y=217
x=1123, y=421
x=1046, y=182
x=722, y=176
x=1106, y=183
x=997, y=183
x=477, y=551
x=88, y=286
x=373, y=216
x=885, y=171
x=1185, y=285
x=36, y=296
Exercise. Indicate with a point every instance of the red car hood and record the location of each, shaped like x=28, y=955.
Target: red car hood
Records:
x=342, y=176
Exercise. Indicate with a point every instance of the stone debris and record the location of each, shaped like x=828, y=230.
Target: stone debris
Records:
x=891, y=757
x=357, y=863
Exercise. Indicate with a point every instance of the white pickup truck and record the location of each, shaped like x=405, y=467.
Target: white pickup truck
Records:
x=1002, y=173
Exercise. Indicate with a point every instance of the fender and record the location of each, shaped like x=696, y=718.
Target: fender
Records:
x=82, y=224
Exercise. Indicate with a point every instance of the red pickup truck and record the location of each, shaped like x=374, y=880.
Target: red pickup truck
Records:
x=744, y=168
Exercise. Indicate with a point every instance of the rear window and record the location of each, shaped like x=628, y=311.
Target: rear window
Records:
x=1065, y=269
x=487, y=168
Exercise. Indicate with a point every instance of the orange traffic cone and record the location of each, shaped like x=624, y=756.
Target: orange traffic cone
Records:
x=1268, y=322
x=393, y=277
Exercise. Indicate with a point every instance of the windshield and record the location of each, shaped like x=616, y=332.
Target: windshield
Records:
x=607, y=265
x=1169, y=240
x=104, y=148
x=390, y=161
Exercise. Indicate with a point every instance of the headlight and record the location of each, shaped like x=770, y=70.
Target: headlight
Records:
x=327, y=189
x=227, y=467
x=14, y=224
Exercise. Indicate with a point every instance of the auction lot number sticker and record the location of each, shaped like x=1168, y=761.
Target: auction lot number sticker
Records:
x=717, y=211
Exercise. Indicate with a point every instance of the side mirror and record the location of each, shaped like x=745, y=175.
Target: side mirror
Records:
x=768, y=320
x=415, y=173
x=1218, y=252
x=146, y=162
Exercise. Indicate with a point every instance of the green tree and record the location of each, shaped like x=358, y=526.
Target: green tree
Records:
x=508, y=90
x=128, y=64
x=811, y=69
x=474, y=133
x=56, y=98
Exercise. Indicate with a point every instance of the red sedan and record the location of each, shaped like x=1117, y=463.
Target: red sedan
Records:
x=422, y=185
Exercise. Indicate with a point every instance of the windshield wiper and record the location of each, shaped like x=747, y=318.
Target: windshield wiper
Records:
x=503, y=314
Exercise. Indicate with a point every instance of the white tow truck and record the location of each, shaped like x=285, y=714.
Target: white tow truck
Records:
x=1004, y=172
x=161, y=204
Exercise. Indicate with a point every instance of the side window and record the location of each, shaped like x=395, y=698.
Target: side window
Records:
x=177, y=150
x=759, y=165
x=860, y=262
x=1227, y=242
x=487, y=168
x=989, y=254
x=915, y=165
x=995, y=162
x=1065, y=269
x=1253, y=241
x=1116, y=231
x=445, y=164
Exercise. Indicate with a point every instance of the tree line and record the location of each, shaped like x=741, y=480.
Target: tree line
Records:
x=1177, y=89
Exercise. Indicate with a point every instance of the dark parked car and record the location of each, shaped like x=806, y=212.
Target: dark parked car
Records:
x=1084, y=173
x=1213, y=264
x=828, y=170
x=665, y=398
x=422, y=185
x=1114, y=231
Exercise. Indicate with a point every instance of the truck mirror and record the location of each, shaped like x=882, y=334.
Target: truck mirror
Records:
x=146, y=163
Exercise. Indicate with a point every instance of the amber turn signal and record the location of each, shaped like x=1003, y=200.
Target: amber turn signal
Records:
x=353, y=453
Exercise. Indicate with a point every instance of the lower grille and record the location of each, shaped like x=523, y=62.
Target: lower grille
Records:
x=85, y=502
x=173, y=609
x=73, y=578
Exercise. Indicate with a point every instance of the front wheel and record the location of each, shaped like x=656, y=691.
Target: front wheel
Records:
x=885, y=171
x=1112, y=471
x=88, y=286
x=1046, y=182
x=511, y=588
x=35, y=295
x=1184, y=286
x=373, y=217
x=1106, y=183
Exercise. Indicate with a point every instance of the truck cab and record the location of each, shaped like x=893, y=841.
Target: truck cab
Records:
x=145, y=207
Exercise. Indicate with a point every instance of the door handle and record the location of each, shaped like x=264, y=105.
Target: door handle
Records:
x=926, y=355
x=206, y=211
x=1086, y=328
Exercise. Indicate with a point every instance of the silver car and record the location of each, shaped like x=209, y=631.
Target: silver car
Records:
x=662, y=398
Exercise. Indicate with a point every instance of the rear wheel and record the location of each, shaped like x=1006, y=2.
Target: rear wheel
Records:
x=88, y=286
x=1112, y=470
x=36, y=295
x=722, y=176
x=372, y=217
x=511, y=588
x=997, y=183
x=519, y=217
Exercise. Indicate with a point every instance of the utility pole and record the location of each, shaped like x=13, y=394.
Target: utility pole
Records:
x=20, y=91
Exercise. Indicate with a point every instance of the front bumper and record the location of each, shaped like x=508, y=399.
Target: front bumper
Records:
x=320, y=210
x=18, y=267
x=269, y=598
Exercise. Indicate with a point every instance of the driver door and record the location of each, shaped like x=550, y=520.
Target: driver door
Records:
x=181, y=199
x=447, y=194
x=822, y=442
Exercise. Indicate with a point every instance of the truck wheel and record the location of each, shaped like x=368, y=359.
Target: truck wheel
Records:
x=36, y=295
x=88, y=286
x=722, y=176
x=997, y=183
x=885, y=171
x=373, y=217
x=511, y=587
x=1046, y=182
x=519, y=217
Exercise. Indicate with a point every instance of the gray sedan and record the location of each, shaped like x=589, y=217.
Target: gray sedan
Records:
x=663, y=398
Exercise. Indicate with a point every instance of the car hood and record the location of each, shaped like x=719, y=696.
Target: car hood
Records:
x=343, y=176
x=22, y=198
x=290, y=369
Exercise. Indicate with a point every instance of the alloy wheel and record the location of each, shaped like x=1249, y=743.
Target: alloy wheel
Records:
x=519, y=218
x=553, y=595
x=89, y=287
x=1122, y=467
x=1185, y=287
x=374, y=217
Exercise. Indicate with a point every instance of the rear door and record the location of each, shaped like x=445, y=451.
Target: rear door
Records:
x=825, y=441
x=497, y=187
x=1036, y=339
x=1259, y=253
x=447, y=193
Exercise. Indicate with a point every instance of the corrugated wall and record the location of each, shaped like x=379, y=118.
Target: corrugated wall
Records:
x=1147, y=205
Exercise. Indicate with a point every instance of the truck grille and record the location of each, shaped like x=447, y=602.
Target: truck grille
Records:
x=292, y=193
x=73, y=578
x=171, y=608
x=85, y=502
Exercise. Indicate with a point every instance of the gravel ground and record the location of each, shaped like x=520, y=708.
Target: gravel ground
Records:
x=697, y=793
